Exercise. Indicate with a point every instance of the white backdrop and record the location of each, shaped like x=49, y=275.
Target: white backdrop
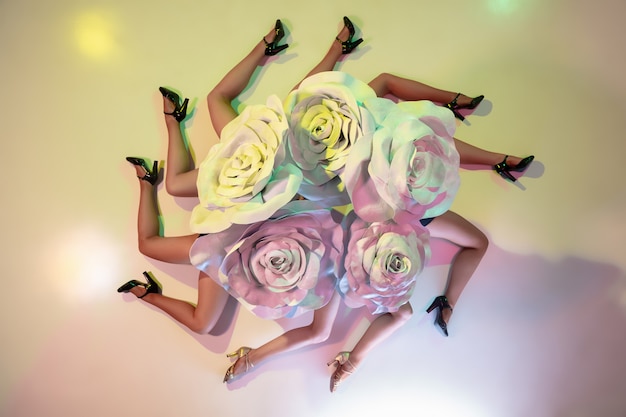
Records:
x=540, y=328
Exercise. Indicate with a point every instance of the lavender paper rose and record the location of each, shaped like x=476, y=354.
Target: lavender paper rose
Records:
x=383, y=260
x=244, y=178
x=280, y=267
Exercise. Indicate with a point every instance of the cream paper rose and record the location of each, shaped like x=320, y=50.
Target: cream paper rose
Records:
x=383, y=260
x=326, y=118
x=409, y=168
x=244, y=178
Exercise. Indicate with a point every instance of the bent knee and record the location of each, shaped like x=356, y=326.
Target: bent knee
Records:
x=404, y=313
x=201, y=326
x=319, y=334
x=482, y=242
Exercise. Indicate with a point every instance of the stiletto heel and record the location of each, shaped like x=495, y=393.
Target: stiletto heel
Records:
x=180, y=111
x=454, y=106
x=505, y=169
x=240, y=353
x=341, y=360
x=440, y=303
x=348, y=45
x=152, y=287
x=151, y=175
x=272, y=48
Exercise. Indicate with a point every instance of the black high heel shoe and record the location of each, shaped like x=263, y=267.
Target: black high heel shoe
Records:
x=348, y=45
x=151, y=175
x=272, y=48
x=152, y=287
x=454, y=106
x=180, y=112
x=505, y=169
x=440, y=303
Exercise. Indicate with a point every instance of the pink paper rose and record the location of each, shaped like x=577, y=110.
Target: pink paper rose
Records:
x=383, y=260
x=279, y=267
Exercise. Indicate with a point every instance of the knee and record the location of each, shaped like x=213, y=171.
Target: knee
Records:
x=383, y=77
x=217, y=97
x=201, y=327
x=318, y=334
x=482, y=242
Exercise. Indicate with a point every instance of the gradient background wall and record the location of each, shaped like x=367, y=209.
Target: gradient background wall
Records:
x=540, y=330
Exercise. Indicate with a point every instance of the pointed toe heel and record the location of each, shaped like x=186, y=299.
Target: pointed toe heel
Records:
x=180, y=110
x=272, y=48
x=349, y=45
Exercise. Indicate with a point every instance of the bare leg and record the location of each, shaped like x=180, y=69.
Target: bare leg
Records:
x=316, y=332
x=380, y=329
x=211, y=296
x=472, y=155
x=180, y=177
x=406, y=89
x=331, y=58
x=149, y=239
x=220, y=98
x=200, y=318
x=473, y=244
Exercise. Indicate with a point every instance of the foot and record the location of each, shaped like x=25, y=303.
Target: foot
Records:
x=149, y=178
x=463, y=100
x=345, y=366
x=446, y=313
x=169, y=107
x=242, y=365
x=139, y=291
x=269, y=38
x=344, y=34
x=512, y=161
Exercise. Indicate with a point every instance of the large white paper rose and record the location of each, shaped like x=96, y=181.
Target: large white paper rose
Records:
x=244, y=178
x=409, y=167
x=326, y=118
x=383, y=260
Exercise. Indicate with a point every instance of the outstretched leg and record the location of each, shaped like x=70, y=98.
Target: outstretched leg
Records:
x=181, y=175
x=220, y=98
x=406, y=89
x=473, y=244
x=316, y=332
x=472, y=155
x=199, y=318
x=380, y=329
x=333, y=55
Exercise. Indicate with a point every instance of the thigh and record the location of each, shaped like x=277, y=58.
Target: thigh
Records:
x=221, y=112
x=456, y=229
x=168, y=249
x=212, y=300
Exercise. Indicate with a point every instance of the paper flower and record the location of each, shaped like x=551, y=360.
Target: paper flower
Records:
x=409, y=168
x=279, y=267
x=326, y=119
x=383, y=260
x=244, y=178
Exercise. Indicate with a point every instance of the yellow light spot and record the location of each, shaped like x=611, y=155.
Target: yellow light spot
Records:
x=94, y=35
